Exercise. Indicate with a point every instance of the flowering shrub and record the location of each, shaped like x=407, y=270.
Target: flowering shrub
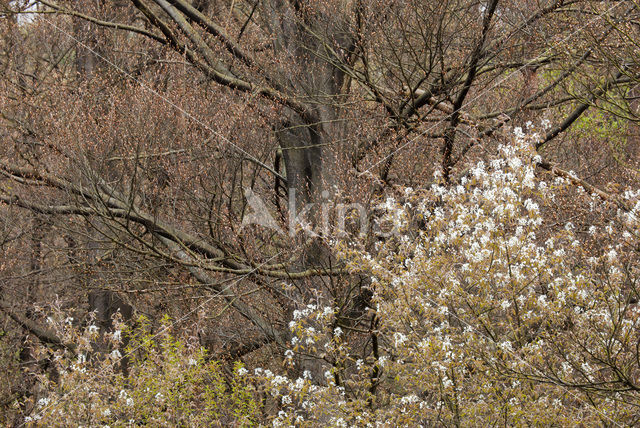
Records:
x=168, y=384
x=485, y=314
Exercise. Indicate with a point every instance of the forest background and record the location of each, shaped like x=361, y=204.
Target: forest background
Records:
x=331, y=212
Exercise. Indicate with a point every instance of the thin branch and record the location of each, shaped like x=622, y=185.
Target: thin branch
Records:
x=114, y=25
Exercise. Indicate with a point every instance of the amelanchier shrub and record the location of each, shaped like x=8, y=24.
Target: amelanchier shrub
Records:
x=485, y=313
x=167, y=384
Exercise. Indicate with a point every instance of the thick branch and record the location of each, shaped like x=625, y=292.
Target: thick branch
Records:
x=477, y=53
x=214, y=29
x=214, y=69
x=575, y=180
x=569, y=120
x=240, y=350
x=42, y=333
x=111, y=205
x=201, y=46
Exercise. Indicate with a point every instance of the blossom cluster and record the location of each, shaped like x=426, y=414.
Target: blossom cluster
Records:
x=488, y=307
